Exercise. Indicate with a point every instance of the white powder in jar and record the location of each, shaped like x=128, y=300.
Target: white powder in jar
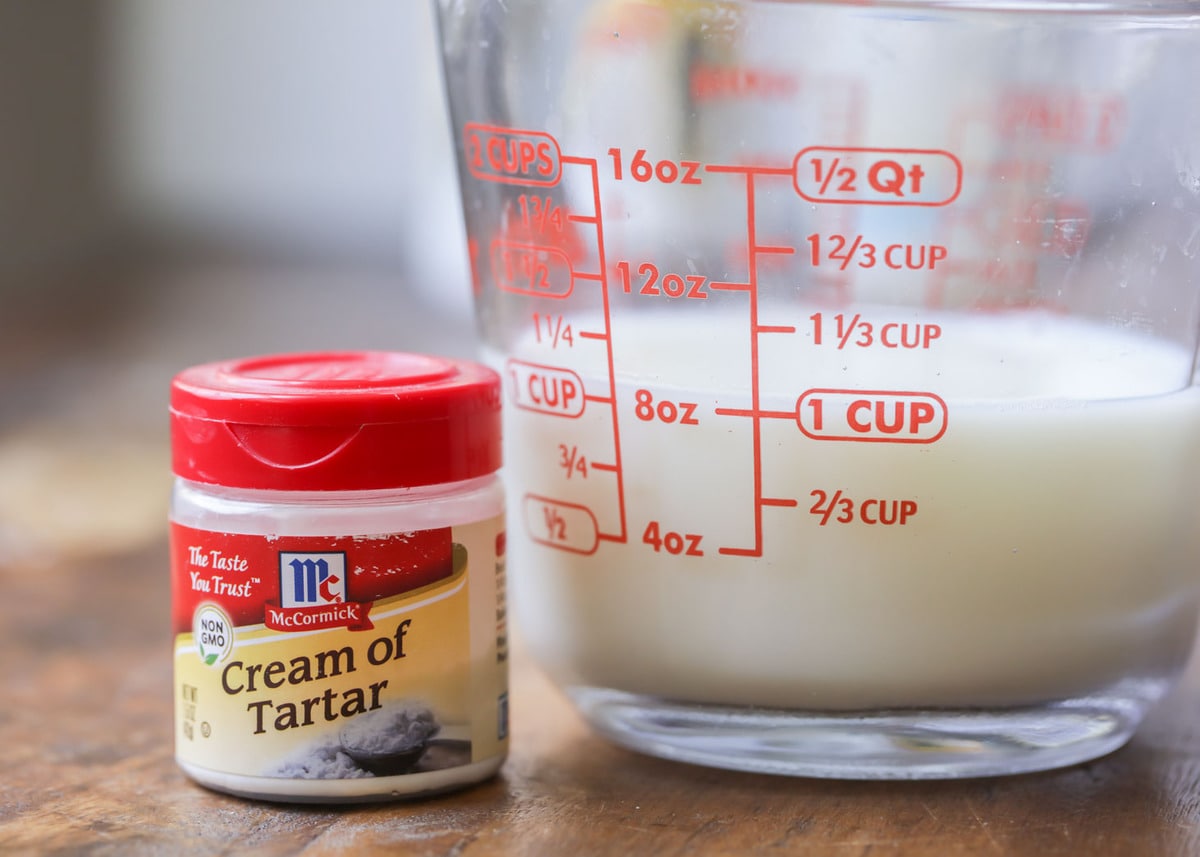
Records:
x=324, y=760
x=389, y=731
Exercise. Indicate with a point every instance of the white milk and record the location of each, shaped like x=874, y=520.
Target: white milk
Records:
x=1048, y=550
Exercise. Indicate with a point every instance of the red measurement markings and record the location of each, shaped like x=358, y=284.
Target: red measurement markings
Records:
x=650, y=410
x=512, y=156
x=841, y=251
x=532, y=269
x=669, y=541
x=549, y=390
x=872, y=416
x=1063, y=118
x=650, y=282
x=553, y=330
x=616, y=466
x=709, y=82
x=571, y=461
x=852, y=331
x=541, y=214
x=754, y=252
x=567, y=526
x=644, y=170
x=838, y=508
x=857, y=176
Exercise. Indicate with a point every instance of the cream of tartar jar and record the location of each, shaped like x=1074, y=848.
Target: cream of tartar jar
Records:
x=338, y=573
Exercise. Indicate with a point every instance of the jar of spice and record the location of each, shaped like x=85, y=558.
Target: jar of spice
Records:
x=337, y=561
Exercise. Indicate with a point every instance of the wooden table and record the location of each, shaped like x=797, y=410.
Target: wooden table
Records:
x=85, y=727
x=86, y=767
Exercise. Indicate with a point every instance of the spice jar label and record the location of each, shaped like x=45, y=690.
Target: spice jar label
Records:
x=325, y=658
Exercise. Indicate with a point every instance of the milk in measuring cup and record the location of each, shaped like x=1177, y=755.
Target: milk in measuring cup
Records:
x=1035, y=551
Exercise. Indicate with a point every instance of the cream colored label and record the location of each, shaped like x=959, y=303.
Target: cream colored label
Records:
x=368, y=656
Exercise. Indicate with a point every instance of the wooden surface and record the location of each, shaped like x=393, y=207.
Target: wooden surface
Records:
x=85, y=726
x=87, y=768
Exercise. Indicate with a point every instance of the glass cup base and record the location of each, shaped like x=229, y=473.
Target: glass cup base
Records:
x=902, y=744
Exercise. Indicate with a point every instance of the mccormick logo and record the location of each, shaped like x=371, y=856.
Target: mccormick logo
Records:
x=306, y=579
x=312, y=595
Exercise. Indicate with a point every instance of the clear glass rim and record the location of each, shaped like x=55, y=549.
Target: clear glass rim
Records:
x=1181, y=12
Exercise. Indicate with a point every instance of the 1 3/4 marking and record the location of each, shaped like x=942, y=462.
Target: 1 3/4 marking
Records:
x=644, y=170
x=649, y=281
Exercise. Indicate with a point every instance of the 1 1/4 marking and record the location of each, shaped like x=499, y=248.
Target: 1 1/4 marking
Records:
x=552, y=329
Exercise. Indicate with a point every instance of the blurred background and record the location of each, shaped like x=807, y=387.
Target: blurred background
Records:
x=186, y=181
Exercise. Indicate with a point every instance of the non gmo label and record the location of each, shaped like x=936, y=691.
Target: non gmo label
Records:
x=339, y=657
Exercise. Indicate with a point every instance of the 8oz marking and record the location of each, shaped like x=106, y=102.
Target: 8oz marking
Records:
x=665, y=411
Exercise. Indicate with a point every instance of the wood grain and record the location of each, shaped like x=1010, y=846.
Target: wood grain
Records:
x=86, y=763
x=87, y=768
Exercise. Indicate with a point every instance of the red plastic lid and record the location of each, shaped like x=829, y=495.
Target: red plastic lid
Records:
x=335, y=421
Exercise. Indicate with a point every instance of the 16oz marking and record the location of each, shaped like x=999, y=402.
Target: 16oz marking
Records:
x=644, y=170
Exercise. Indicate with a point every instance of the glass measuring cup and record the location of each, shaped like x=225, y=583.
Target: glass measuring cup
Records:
x=849, y=355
